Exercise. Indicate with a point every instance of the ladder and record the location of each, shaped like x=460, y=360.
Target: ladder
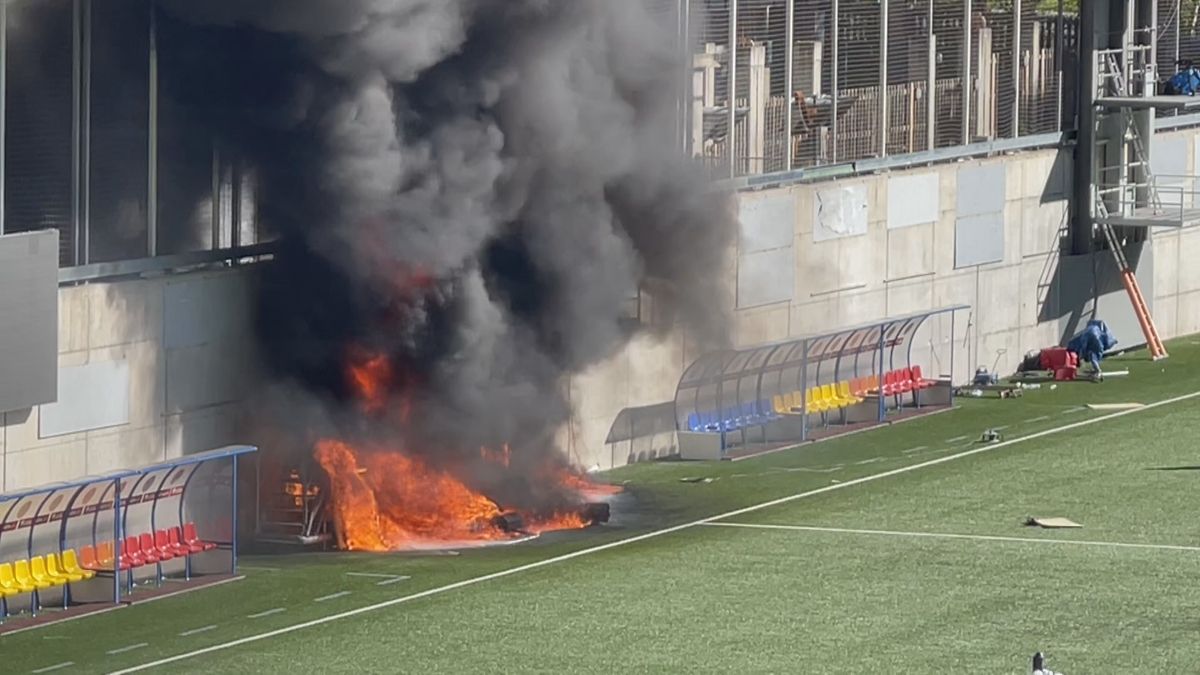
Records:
x=1129, y=280
x=1140, y=160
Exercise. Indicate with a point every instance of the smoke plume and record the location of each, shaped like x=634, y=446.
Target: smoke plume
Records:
x=472, y=187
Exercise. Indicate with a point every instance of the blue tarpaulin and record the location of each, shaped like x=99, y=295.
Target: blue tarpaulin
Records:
x=1091, y=343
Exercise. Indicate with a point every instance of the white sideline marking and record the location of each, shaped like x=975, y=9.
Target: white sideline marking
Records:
x=269, y=612
x=956, y=439
x=387, y=578
x=946, y=535
x=122, y=650
x=1069, y=411
x=643, y=537
x=64, y=664
x=195, y=631
x=914, y=450
x=1043, y=418
x=869, y=461
x=339, y=594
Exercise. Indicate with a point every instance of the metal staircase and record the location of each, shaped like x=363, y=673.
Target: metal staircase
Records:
x=1126, y=76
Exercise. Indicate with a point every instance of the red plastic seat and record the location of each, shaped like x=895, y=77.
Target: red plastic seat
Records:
x=162, y=546
x=131, y=553
x=919, y=381
x=149, y=553
x=175, y=542
x=905, y=380
x=192, y=540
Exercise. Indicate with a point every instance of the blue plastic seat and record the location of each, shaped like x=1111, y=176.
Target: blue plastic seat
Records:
x=693, y=423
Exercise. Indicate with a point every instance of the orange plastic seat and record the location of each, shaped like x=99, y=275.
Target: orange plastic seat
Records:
x=87, y=558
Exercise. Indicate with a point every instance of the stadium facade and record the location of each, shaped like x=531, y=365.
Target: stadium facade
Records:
x=899, y=157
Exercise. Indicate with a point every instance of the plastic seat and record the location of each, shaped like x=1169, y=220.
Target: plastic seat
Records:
x=70, y=564
x=144, y=545
x=130, y=553
x=25, y=577
x=39, y=570
x=830, y=399
x=844, y=391
x=163, y=545
x=58, y=571
x=9, y=586
x=105, y=557
x=87, y=558
x=175, y=539
x=919, y=380
x=190, y=538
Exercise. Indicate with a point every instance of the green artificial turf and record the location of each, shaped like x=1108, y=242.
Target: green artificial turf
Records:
x=712, y=599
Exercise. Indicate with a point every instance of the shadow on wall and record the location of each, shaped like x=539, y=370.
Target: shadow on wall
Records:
x=1073, y=286
x=643, y=434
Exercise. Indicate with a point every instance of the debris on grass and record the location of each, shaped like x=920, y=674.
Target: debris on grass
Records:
x=1052, y=523
x=990, y=436
x=1115, y=406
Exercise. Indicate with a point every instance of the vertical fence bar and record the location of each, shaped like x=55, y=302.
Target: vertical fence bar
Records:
x=76, y=125
x=966, y=73
x=85, y=147
x=883, y=77
x=1059, y=38
x=732, y=94
x=1016, y=69
x=931, y=91
x=882, y=404
x=216, y=196
x=1178, y=27
x=833, y=118
x=152, y=160
x=3, y=98
x=790, y=76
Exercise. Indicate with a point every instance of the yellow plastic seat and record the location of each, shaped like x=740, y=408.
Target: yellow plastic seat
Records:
x=41, y=575
x=814, y=403
x=845, y=394
x=25, y=580
x=58, y=571
x=778, y=406
x=70, y=563
x=8, y=583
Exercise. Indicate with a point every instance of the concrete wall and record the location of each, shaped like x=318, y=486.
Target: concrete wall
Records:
x=986, y=233
x=151, y=369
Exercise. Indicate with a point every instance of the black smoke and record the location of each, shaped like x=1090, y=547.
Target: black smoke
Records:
x=472, y=187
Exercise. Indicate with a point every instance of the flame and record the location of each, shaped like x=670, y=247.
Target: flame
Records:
x=370, y=376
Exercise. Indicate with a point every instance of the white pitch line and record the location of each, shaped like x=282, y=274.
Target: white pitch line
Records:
x=122, y=650
x=197, y=631
x=1043, y=418
x=398, y=579
x=869, y=461
x=1070, y=411
x=57, y=666
x=387, y=578
x=914, y=450
x=269, y=612
x=947, y=535
x=538, y=564
x=956, y=439
x=331, y=596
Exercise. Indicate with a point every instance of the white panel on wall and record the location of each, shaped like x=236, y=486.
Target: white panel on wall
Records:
x=91, y=396
x=765, y=278
x=839, y=212
x=979, y=240
x=28, y=319
x=981, y=189
x=202, y=310
x=913, y=200
x=766, y=223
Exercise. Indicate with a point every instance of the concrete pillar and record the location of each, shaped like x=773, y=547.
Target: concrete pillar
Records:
x=758, y=94
x=152, y=133
x=789, y=77
x=966, y=72
x=1080, y=237
x=731, y=138
x=3, y=98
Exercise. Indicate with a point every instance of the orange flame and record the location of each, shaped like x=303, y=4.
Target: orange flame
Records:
x=370, y=375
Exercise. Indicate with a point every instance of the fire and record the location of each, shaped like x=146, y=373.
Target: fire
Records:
x=385, y=499
x=370, y=375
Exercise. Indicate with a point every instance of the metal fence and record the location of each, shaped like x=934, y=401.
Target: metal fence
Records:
x=816, y=82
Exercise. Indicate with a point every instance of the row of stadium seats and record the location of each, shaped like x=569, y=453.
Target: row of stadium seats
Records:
x=732, y=419
x=145, y=549
x=41, y=572
x=819, y=399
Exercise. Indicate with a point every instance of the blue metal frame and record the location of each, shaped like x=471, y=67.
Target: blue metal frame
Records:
x=116, y=481
x=721, y=374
